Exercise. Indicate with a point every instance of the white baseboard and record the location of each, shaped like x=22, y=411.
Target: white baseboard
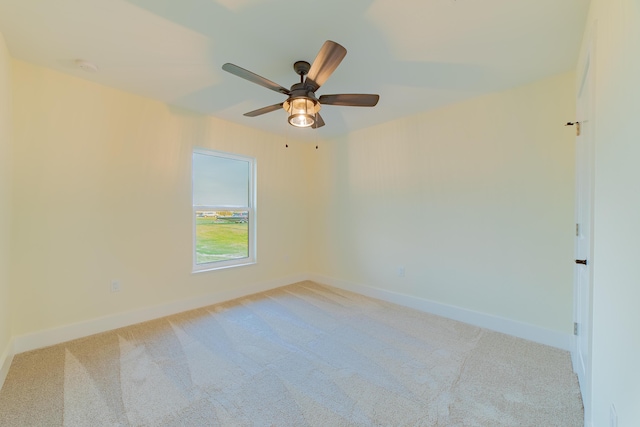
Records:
x=5, y=362
x=495, y=323
x=73, y=331
x=65, y=333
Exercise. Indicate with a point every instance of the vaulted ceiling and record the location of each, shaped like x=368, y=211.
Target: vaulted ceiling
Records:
x=417, y=54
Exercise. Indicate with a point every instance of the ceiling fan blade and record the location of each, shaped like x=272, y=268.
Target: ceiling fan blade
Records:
x=263, y=110
x=328, y=59
x=254, y=78
x=350, y=100
x=319, y=122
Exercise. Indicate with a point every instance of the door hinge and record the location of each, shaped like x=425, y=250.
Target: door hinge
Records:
x=577, y=230
x=575, y=328
x=577, y=125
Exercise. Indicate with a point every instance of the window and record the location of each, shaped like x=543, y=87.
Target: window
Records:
x=223, y=210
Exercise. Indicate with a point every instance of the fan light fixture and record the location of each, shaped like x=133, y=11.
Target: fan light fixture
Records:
x=302, y=111
x=302, y=105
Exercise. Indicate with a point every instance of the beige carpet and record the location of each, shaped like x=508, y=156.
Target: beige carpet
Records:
x=301, y=355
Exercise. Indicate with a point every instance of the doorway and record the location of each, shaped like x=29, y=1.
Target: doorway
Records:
x=583, y=243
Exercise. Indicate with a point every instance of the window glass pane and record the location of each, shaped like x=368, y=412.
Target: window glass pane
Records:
x=220, y=181
x=221, y=235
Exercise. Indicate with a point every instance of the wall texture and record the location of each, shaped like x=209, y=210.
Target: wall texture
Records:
x=474, y=200
x=615, y=28
x=5, y=204
x=102, y=191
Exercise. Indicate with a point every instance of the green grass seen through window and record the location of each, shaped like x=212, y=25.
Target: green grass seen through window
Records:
x=220, y=240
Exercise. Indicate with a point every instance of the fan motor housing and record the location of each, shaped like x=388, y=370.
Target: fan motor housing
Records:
x=300, y=90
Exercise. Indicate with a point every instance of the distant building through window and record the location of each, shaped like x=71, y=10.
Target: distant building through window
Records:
x=223, y=210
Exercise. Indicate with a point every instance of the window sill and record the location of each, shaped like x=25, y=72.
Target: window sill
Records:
x=223, y=267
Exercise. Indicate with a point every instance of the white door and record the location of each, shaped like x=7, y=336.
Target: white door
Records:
x=584, y=227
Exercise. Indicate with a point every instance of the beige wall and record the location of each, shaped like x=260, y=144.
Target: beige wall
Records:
x=5, y=200
x=102, y=191
x=475, y=201
x=616, y=281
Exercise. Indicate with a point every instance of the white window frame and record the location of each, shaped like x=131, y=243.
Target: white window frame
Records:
x=251, y=209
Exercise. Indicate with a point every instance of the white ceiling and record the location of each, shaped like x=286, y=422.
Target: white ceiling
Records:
x=417, y=54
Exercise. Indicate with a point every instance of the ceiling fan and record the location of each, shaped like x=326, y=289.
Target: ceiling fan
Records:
x=302, y=105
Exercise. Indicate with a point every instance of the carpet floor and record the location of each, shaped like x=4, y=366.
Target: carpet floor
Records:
x=300, y=355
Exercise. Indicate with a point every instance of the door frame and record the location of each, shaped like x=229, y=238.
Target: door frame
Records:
x=586, y=76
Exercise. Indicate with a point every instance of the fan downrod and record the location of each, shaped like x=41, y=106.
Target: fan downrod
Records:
x=302, y=69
